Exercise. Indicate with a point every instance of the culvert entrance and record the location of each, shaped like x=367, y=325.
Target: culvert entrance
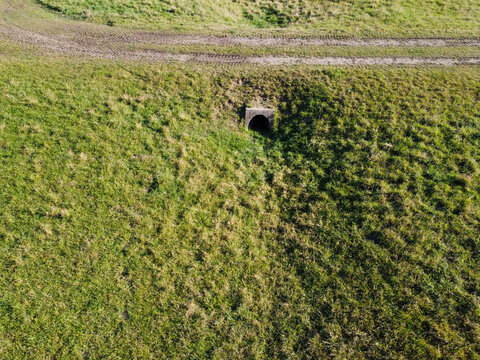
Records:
x=259, y=123
x=259, y=119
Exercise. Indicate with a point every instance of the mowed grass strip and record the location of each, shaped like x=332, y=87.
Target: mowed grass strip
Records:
x=139, y=219
x=371, y=18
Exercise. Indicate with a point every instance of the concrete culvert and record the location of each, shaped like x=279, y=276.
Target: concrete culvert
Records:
x=259, y=119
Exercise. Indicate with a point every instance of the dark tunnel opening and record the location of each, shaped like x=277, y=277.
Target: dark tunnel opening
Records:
x=259, y=123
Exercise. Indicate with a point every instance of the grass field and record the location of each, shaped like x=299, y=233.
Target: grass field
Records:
x=140, y=220
x=366, y=18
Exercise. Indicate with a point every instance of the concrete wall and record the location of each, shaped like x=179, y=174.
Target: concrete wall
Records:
x=250, y=113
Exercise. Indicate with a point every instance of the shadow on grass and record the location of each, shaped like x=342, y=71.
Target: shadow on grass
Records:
x=351, y=226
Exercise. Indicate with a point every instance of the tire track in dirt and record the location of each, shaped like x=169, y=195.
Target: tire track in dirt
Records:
x=180, y=39
x=67, y=48
x=90, y=40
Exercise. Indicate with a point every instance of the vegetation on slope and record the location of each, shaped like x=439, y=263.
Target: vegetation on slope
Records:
x=139, y=219
x=456, y=18
x=378, y=183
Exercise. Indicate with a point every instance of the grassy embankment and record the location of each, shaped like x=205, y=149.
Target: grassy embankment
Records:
x=139, y=219
x=366, y=18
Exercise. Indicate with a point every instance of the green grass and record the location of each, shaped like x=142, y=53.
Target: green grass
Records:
x=370, y=18
x=140, y=220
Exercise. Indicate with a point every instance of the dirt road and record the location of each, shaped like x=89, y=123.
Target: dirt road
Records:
x=19, y=23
